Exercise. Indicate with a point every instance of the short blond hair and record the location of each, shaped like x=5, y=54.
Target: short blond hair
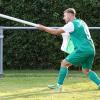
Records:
x=70, y=10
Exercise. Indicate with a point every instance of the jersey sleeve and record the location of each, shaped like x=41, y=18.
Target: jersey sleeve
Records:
x=69, y=27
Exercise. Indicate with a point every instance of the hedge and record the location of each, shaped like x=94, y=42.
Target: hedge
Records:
x=34, y=49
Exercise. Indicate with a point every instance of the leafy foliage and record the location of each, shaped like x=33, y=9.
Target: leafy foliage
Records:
x=35, y=49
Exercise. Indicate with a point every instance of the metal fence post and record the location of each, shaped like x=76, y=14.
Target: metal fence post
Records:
x=1, y=51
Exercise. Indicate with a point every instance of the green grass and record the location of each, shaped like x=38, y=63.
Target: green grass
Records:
x=32, y=85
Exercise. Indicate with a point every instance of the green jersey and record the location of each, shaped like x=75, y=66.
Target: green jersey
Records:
x=84, y=51
x=80, y=35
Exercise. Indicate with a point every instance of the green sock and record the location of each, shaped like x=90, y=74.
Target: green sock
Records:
x=62, y=74
x=93, y=76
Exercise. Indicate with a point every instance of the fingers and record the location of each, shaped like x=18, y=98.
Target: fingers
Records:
x=40, y=27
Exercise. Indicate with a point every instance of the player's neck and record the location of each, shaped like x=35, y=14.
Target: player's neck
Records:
x=72, y=18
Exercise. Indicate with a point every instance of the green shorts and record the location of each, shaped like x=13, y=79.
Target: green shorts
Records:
x=85, y=59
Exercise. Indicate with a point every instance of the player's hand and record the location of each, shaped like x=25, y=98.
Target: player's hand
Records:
x=40, y=27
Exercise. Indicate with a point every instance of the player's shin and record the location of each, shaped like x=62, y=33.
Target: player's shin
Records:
x=94, y=77
x=62, y=74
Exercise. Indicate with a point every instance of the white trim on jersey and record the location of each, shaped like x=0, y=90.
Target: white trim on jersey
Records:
x=67, y=44
x=69, y=27
x=66, y=38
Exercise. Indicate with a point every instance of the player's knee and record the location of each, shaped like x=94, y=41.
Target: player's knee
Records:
x=65, y=63
x=85, y=71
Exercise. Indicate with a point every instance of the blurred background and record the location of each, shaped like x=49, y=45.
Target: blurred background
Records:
x=34, y=49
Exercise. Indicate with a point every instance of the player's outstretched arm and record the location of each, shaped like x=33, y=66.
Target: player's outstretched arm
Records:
x=50, y=30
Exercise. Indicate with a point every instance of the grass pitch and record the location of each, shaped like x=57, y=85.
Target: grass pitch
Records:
x=32, y=85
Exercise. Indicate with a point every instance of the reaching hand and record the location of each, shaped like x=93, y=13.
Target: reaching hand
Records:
x=40, y=27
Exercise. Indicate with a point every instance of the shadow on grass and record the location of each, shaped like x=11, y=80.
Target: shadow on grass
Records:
x=42, y=92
